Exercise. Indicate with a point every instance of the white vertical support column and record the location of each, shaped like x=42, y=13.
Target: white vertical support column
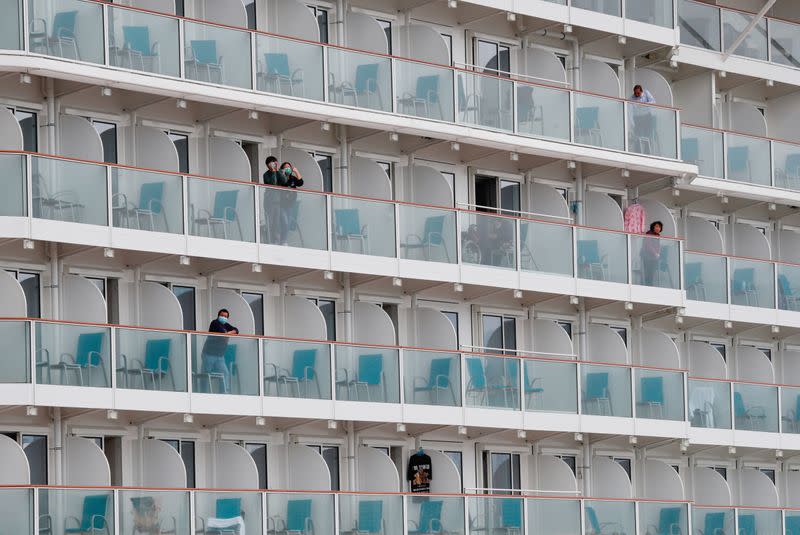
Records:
x=344, y=158
x=28, y=187
x=188, y=377
x=112, y=332
x=401, y=356
x=185, y=202
x=116, y=504
x=348, y=307
x=109, y=196
x=181, y=50
x=50, y=97
x=580, y=194
x=58, y=447
x=350, y=458
x=55, y=282
x=26, y=45
x=213, y=460
x=36, y=512
x=106, y=31
x=253, y=61
x=587, y=466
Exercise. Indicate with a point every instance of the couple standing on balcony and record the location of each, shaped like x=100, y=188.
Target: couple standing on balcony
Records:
x=281, y=206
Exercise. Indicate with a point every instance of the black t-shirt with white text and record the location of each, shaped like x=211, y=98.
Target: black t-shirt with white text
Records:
x=420, y=472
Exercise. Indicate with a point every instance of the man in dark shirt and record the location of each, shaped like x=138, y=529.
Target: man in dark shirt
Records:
x=214, y=350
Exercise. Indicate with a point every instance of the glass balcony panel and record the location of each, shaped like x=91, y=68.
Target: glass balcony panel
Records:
x=786, y=164
x=11, y=25
x=606, y=390
x=495, y=515
x=16, y=508
x=550, y=386
x=602, y=255
x=69, y=191
x=759, y=520
x=543, y=112
x=755, y=407
x=748, y=160
x=360, y=80
x=485, y=100
x=656, y=262
x=217, y=55
x=663, y=518
x=16, y=352
x=545, y=248
x=221, y=209
x=554, y=517
x=656, y=12
x=228, y=512
x=788, y=287
x=652, y=130
x=364, y=513
x=363, y=227
x=784, y=42
x=599, y=121
x=752, y=283
x=614, y=517
x=70, y=29
x=492, y=382
x=154, y=511
x=297, y=369
x=143, y=42
x=12, y=169
x=713, y=520
x=144, y=200
x=704, y=148
x=432, y=378
x=424, y=91
x=76, y=511
x=609, y=7
x=659, y=394
x=427, y=234
x=224, y=365
x=367, y=374
x=704, y=277
x=434, y=514
x=291, y=68
x=151, y=360
x=710, y=404
x=754, y=44
x=294, y=218
x=791, y=522
x=300, y=513
x=73, y=355
x=488, y=240
x=790, y=410
x=699, y=24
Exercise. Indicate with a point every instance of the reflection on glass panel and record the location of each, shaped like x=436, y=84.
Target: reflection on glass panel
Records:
x=360, y=80
x=144, y=200
x=367, y=374
x=143, y=41
x=221, y=209
x=151, y=511
x=225, y=365
x=68, y=29
x=432, y=378
x=376, y=514
x=788, y=287
x=12, y=169
x=16, y=508
x=424, y=90
x=553, y=517
x=16, y=352
x=754, y=44
x=294, y=218
x=655, y=262
x=709, y=404
x=542, y=248
x=699, y=25
x=73, y=355
x=755, y=407
x=598, y=121
x=651, y=130
x=485, y=100
x=239, y=511
x=151, y=360
x=752, y=283
x=748, y=160
x=488, y=240
x=784, y=40
x=659, y=394
x=602, y=255
x=434, y=514
x=657, y=12
x=492, y=382
x=663, y=518
x=543, y=111
x=297, y=369
x=299, y=513
x=790, y=410
x=289, y=67
x=606, y=390
x=614, y=517
x=713, y=520
x=69, y=191
x=704, y=277
x=550, y=386
x=363, y=227
x=493, y=515
x=759, y=520
x=11, y=25
x=217, y=55
x=704, y=148
x=609, y=7
x=786, y=165
x=427, y=234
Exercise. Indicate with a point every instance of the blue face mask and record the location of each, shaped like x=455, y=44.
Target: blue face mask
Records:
x=287, y=171
x=222, y=319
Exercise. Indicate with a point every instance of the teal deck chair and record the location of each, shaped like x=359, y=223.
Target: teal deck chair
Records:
x=438, y=380
x=370, y=517
x=298, y=517
x=793, y=525
x=652, y=396
x=430, y=518
x=348, y=228
x=597, y=392
x=747, y=525
x=93, y=516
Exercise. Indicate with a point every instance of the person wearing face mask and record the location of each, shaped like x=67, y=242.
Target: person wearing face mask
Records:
x=213, y=356
x=291, y=179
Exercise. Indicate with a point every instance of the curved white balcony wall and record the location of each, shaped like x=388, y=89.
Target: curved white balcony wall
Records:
x=755, y=488
x=227, y=159
x=364, y=33
x=160, y=308
x=235, y=468
x=230, y=12
x=549, y=338
x=306, y=164
x=162, y=466
x=747, y=119
x=376, y=471
x=81, y=300
x=10, y=132
x=659, y=350
x=699, y=111
x=424, y=43
x=793, y=488
x=12, y=297
x=547, y=201
x=748, y=241
x=609, y=479
x=79, y=139
x=790, y=246
x=448, y=478
x=784, y=115
x=605, y=345
x=791, y=366
x=153, y=148
x=241, y=315
x=160, y=6
x=703, y=236
x=710, y=488
x=372, y=325
x=599, y=77
x=602, y=211
x=292, y=18
x=432, y=329
x=85, y=464
x=654, y=82
x=542, y=65
x=753, y=365
x=554, y=476
x=426, y=185
x=14, y=469
x=662, y=482
x=294, y=317
x=706, y=361
x=657, y=211
x=368, y=179
x=297, y=467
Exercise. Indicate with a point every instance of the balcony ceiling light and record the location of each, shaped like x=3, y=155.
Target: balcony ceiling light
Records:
x=28, y=244
x=25, y=78
x=511, y=16
x=181, y=104
x=252, y=115
x=455, y=146
x=452, y=4
x=188, y=418
x=394, y=137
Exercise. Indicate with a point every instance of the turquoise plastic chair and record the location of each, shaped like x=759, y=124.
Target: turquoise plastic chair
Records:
x=596, y=391
x=511, y=515
x=426, y=96
x=279, y=73
x=225, y=508
x=93, y=516
x=370, y=374
x=438, y=379
x=367, y=84
x=787, y=297
x=204, y=54
x=790, y=172
x=792, y=525
x=587, y=125
x=137, y=46
x=223, y=213
x=594, y=523
x=747, y=525
x=754, y=417
x=591, y=264
x=714, y=524
x=693, y=280
x=304, y=362
x=151, y=204
x=652, y=395
x=477, y=378
x=531, y=390
x=349, y=228
x=743, y=287
x=370, y=517
x=739, y=163
x=669, y=521
x=430, y=518
x=298, y=517
x=156, y=361
x=432, y=237
x=88, y=356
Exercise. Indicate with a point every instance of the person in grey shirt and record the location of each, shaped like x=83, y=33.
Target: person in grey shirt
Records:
x=642, y=95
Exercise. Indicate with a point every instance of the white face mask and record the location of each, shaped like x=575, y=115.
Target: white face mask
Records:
x=222, y=319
